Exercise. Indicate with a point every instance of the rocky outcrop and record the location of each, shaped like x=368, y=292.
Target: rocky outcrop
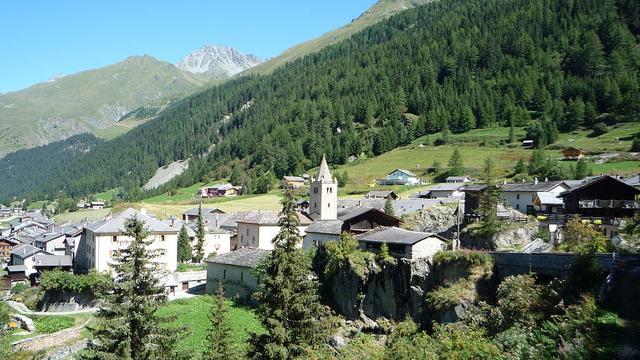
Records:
x=511, y=236
x=436, y=219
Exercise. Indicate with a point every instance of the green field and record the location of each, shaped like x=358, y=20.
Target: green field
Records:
x=193, y=313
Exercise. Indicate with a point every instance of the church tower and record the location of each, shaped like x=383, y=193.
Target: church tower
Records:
x=324, y=194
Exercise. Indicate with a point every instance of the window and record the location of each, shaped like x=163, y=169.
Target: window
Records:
x=517, y=206
x=247, y=231
x=328, y=205
x=114, y=238
x=224, y=274
x=517, y=196
x=161, y=237
x=241, y=276
x=163, y=252
x=315, y=189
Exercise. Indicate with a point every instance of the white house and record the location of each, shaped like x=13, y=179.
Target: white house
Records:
x=105, y=237
x=235, y=271
x=402, y=243
x=53, y=243
x=23, y=255
x=521, y=196
x=400, y=177
x=259, y=229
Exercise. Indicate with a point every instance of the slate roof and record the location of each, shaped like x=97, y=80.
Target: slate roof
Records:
x=547, y=198
x=633, y=181
x=245, y=257
x=25, y=250
x=400, y=206
x=394, y=235
x=205, y=211
x=331, y=227
x=592, y=181
x=457, y=178
x=531, y=187
x=46, y=260
x=116, y=223
x=16, y=268
x=381, y=193
x=270, y=218
x=407, y=172
x=446, y=187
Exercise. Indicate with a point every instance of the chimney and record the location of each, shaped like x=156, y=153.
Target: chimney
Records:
x=535, y=180
x=546, y=179
x=143, y=211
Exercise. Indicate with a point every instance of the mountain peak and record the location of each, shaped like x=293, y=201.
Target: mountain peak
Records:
x=219, y=60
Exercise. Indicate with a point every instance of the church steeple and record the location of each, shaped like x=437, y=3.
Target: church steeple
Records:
x=324, y=194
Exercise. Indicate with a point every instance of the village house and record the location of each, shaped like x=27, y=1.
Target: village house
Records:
x=220, y=190
x=216, y=240
x=292, y=182
x=259, y=229
x=457, y=179
x=603, y=197
x=402, y=243
x=45, y=262
x=235, y=270
x=521, y=196
x=447, y=190
x=381, y=194
x=53, y=243
x=572, y=153
x=400, y=177
x=6, y=245
x=23, y=259
x=105, y=237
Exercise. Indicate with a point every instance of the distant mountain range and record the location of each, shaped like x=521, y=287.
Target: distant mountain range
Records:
x=217, y=62
x=94, y=100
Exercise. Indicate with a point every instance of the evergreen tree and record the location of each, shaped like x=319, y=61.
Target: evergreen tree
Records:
x=220, y=339
x=388, y=208
x=581, y=170
x=200, y=236
x=512, y=134
x=489, y=198
x=289, y=310
x=128, y=326
x=185, y=253
x=520, y=167
x=456, y=166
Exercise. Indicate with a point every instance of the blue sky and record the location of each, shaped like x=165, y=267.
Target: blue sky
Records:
x=44, y=38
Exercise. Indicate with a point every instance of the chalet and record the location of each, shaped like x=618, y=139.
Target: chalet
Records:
x=447, y=190
x=602, y=197
x=572, y=153
x=259, y=229
x=457, y=179
x=402, y=243
x=292, y=182
x=96, y=205
x=356, y=221
x=24, y=254
x=104, y=237
x=235, y=270
x=400, y=177
x=5, y=248
x=521, y=196
x=548, y=203
x=381, y=194
x=220, y=190
x=528, y=144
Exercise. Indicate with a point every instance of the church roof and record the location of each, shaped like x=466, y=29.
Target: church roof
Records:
x=323, y=173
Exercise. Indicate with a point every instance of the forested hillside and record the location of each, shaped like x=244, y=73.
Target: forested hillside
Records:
x=551, y=65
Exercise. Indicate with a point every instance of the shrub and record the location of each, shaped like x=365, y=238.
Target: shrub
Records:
x=599, y=129
x=18, y=288
x=94, y=283
x=445, y=297
x=51, y=324
x=466, y=258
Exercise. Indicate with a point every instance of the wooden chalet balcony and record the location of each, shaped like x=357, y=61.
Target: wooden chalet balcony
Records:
x=609, y=204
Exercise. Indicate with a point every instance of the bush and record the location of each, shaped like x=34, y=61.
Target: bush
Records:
x=466, y=258
x=94, y=283
x=18, y=288
x=599, y=129
x=51, y=324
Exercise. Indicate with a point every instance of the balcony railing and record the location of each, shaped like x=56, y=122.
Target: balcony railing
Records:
x=609, y=204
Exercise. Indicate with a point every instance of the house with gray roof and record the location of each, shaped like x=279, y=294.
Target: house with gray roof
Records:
x=24, y=254
x=457, y=179
x=381, y=194
x=446, y=190
x=235, y=270
x=402, y=243
x=260, y=228
x=521, y=196
x=400, y=177
x=103, y=238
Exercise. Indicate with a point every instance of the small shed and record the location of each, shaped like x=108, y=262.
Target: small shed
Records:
x=402, y=243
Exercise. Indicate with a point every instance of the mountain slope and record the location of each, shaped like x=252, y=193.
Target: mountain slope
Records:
x=378, y=12
x=214, y=62
x=86, y=101
x=457, y=64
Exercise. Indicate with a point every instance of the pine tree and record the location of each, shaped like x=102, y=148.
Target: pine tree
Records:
x=220, y=344
x=290, y=311
x=185, y=253
x=489, y=223
x=200, y=237
x=388, y=208
x=581, y=170
x=456, y=166
x=128, y=326
x=520, y=168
